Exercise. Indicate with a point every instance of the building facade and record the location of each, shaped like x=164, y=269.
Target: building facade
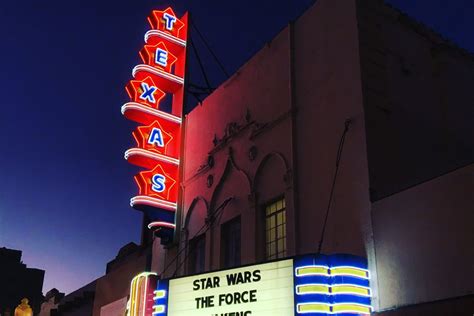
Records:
x=357, y=89
x=349, y=133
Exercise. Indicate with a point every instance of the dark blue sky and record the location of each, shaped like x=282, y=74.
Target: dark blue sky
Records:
x=65, y=187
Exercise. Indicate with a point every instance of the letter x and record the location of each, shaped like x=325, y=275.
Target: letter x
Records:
x=148, y=92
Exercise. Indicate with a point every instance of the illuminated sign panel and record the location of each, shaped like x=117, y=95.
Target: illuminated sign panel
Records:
x=265, y=289
x=160, y=78
x=141, y=294
x=304, y=285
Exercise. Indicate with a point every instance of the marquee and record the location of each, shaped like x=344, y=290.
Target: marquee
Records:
x=304, y=285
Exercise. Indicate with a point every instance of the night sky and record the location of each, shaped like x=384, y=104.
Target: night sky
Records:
x=65, y=190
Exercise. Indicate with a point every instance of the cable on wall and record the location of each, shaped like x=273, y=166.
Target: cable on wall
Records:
x=347, y=123
x=215, y=214
x=206, y=226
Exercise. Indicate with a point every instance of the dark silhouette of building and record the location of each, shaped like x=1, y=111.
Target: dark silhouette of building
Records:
x=78, y=303
x=17, y=282
x=113, y=288
x=51, y=302
x=106, y=294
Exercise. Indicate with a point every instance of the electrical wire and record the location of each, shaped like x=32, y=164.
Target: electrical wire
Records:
x=209, y=48
x=201, y=66
x=218, y=209
x=347, y=123
x=217, y=212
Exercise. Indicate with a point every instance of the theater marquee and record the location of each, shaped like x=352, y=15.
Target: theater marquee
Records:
x=265, y=289
x=309, y=285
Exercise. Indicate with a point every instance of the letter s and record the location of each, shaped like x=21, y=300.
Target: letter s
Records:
x=196, y=285
x=158, y=183
x=256, y=276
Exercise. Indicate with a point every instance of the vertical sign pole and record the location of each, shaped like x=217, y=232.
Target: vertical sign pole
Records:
x=180, y=210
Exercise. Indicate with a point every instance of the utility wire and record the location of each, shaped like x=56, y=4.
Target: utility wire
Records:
x=196, y=96
x=209, y=48
x=203, y=71
x=215, y=214
x=195, y=86
x=347, y=123
x=220, y=207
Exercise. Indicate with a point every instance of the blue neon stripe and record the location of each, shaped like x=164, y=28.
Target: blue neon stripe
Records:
x=313, y=279
x=331, y=261
x=163, y=285
x=349, y=280
x=348, y=298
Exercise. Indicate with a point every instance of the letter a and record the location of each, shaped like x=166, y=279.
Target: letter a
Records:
x=156, y=138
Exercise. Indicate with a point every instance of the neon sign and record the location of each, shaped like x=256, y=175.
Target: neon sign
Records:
x=141, y=294
x=160, y=78
x=304, y=285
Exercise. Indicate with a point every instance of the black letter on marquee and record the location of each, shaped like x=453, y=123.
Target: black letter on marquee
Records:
x=256, y=276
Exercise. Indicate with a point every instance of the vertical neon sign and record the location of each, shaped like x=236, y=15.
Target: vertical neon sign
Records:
x=160, y=78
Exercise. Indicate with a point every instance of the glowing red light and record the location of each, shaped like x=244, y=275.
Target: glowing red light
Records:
x=165, y=190
x=158, y=142
x=150, y=54
x=145, y=91
x=154, y=138
x=158, y=21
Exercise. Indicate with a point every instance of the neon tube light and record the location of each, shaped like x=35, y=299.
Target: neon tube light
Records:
x=326, y=308
x=157, y=225
x=350, y=271
x=151, y=111
x=171, y=38
x=151, y=155
x=158, y=309
x=150, y=201
x=335, y=289
x=312, y=270
x=157, y=72
x=160, y=293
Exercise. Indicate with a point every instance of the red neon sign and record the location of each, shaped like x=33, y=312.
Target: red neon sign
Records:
x=145, y=91
x=158, y=183
x=158, y=139
x=158, y=56
x=166, y=21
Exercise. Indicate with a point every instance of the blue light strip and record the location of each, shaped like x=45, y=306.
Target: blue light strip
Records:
x=160, y=297
x=332, y=285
